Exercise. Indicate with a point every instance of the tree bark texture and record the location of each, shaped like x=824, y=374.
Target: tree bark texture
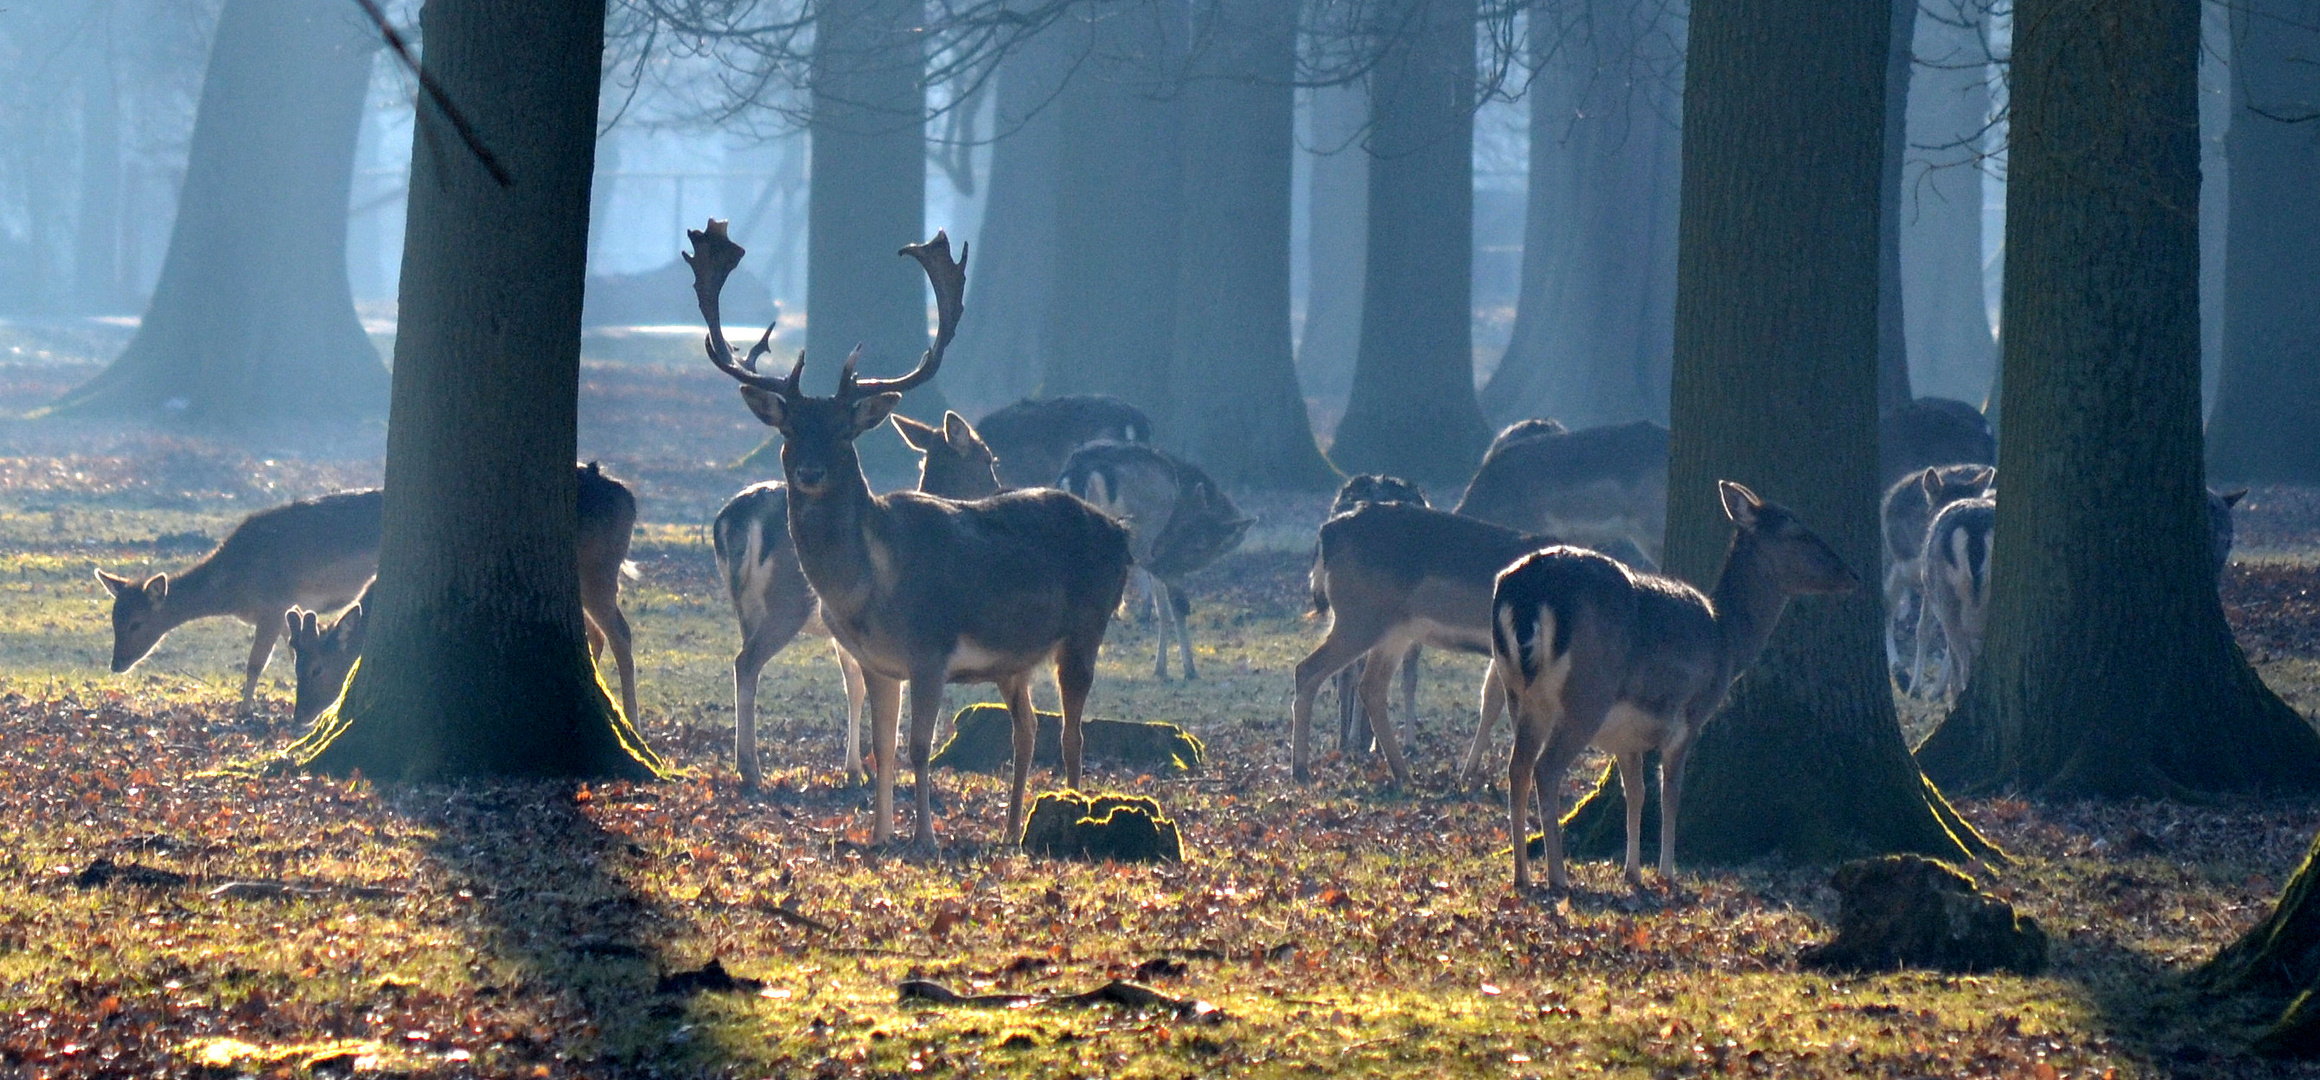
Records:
x=1413, y=412
x=2278, y=960
x=252, y=323
x=2107, y=669
x=1946, y=322
x=1594, y=332
x=1112, y=311
x=1893, y=390
x=2267, y=413
x=1338, y=199
x=476, y=663
x=1776, y=386
x=999, y=357
x=1236, y=408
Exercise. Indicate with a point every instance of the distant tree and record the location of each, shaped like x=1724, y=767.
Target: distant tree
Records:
x=2267, y=412
x=2107, y=669
x=1893, y=389
x=475, y=662
x=1232, y=377
x=1337, y=202
x=97, y=225
x=1413, y=412
x=253, y=321
x=1595, y=328
x=1946, y=321
x=1776, y=387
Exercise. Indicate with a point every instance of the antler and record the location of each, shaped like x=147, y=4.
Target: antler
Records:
x=949, y=279
x=713, y=258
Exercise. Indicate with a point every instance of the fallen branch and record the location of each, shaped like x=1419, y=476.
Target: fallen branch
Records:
x=1121, y=992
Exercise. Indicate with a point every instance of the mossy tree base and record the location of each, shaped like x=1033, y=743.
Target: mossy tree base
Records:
x=2279, y=959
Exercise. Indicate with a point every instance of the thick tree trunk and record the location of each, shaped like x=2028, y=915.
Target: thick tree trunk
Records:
x=1947, y=324
x=1413, y=412
x=1594, y=335
x=1893, y=390
x=1112, y=310
x=2278, y=960
x=2107, y=669
x=253, y=322
x=998, y=358
x=1235, y=404
x=2267, y=413
x=1776, y=387
x=1337, y=197
x=475, y=663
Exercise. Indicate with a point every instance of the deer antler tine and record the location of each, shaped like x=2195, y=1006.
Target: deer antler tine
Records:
x=847, y=382
x=764, y=345
x=797, y=371
x=949, y=278
x=713, y=258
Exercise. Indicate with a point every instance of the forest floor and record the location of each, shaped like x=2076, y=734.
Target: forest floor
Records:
x=164, y=913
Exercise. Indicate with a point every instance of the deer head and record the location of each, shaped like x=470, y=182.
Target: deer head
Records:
x=1798, y=560
x=139, y=620
x=818, y=434
x=324, y=656
x=955, y=463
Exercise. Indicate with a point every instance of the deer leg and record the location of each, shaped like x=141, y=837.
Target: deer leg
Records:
x=758, y=644
x=1345, y=644
x=614, y=628
x=1017, y=692
x=595, y=638
x=1352, y=725
x=1178, y=608
x=1493, y=701
x=261, y=650
x=926, y=702
x=1410, y=687
x=885, y=698
x=1521, y=773
x=1925, y=624
x=1566, y=732
x=856, y=692
x=1377, y=682
x=1672, y=756
x=1631, y=787
x=1162, y=616
x=1075, y=674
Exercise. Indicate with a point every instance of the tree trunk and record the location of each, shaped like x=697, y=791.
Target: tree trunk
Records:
x=1775, y=386
x=1893, y=389
x=1235, y=407
x=867, y=198
x=1337, y=197
x=1595, y=331
x=1111, y=313
x=2107, y=669
x=1413, y=412
x=2267, y=416
x=998, y=358
x=253, y=321
x=2278, y=960
x=1947, y=324
x=475, y=663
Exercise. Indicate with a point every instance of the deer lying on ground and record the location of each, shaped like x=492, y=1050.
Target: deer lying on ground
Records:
x=324, y=652
x=1908, y=509
x=1596, y=486
x=921, y=589
x=1035, y=436
x=1593, y=653
x=1390, y=576
x=1353, y=725
x=1178, y=522
x=759, y=563
x=313, y=553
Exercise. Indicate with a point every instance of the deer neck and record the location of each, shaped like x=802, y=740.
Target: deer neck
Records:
x=1748, y=602
x=201, y=591
x=833, y=534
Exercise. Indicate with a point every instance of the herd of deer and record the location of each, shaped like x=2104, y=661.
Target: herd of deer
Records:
x=984, y=573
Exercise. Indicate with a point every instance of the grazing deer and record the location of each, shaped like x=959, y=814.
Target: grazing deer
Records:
x=921, y=589
x=1035, y=436
x=1593, y=653
x=1353, y=725
x=1389, y=576
x=1178, y=522
x=325, y=652
x=1956, y=602
x=313, y=553
x=760, y=566
x=1908, y=509
x=1593, y=486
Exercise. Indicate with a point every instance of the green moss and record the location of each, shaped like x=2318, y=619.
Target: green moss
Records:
x=1109, y=827
x=983, y=740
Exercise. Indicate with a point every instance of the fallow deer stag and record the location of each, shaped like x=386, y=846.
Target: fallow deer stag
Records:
x=760, y=566
x=920, y=589
x=1593, y=653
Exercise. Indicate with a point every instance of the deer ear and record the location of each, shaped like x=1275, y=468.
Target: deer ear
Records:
x=957, y=433
x=1740, y=504
x=1929, y=482
x=921, y=437
x=349, y=627
x=873, y=410
x=113, y=583
x=157, y=588
x=2232, y=498
x=769, y=407
x=299, y=622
